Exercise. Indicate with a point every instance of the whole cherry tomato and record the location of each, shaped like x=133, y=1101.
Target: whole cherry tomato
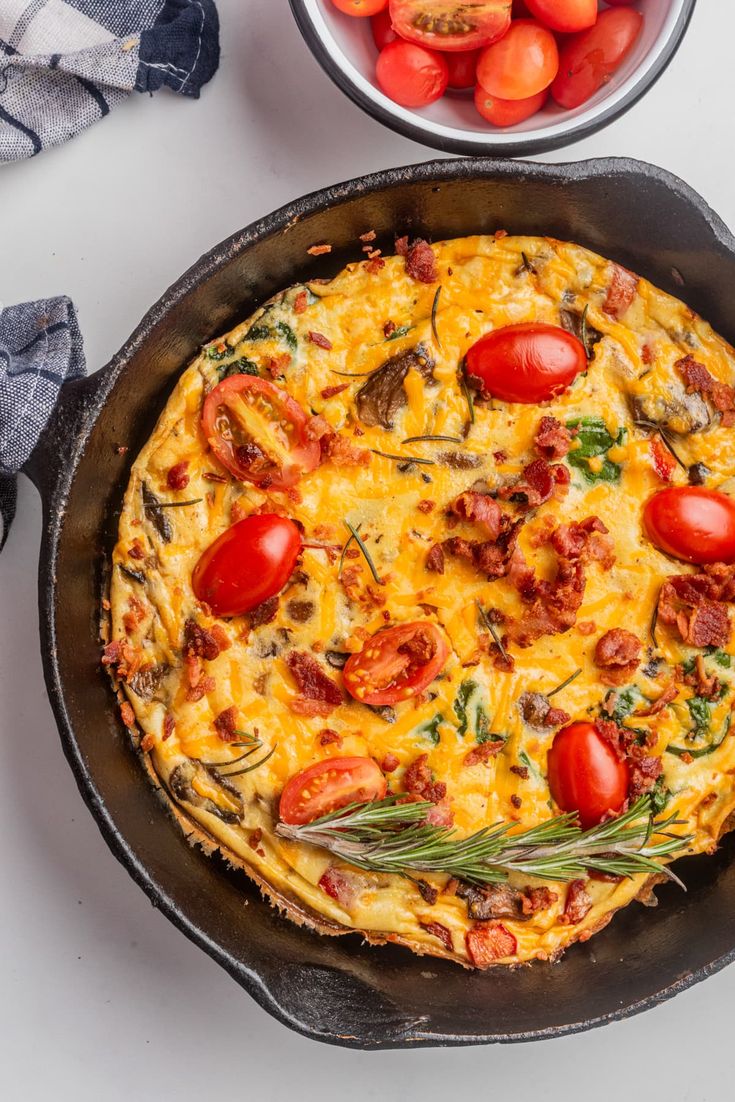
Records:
x=247, y=564
x=692, y=523
x=329, y=785
x=258, y=432
x=564, y=15
x=448, y=25
x=508, y=112
x=360, y=7
x=590, y=58
x=585, y=773
x=521, y=64
x=530, y=362
x=396, y=663
x=462, y=68
x=411, y=75
x=382, y=29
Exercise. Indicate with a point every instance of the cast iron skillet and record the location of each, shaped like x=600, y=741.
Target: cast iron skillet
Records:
x=336, y=989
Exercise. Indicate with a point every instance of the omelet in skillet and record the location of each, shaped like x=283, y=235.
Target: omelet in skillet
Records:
x=421, y=606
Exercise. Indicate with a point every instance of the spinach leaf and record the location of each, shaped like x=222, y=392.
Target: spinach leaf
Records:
x=280, y=331
x=218, y=351
x=594, y=440
x=401, y=331
x=626, y=700
x=471, y=712
x=701, y=713
x=238, y=367
x=659, y=796
x=430, y=729
x=721, y=657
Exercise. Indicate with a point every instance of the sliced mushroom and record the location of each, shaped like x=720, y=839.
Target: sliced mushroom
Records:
x=677, y=412
x=379, y=399
x=227, y=806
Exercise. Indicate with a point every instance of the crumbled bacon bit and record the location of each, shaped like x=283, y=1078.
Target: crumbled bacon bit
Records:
x=264, y=613
x=537, y=899
x=177, y=477
x=340, y=885
x=669, y=694
x=300, y=302
x=373, y=266
x=327, y=736
x=389, y=328
x=500, y=234
x=147, y=742
x=578, y=903
x=331, y=391
x=488, y=943
x=695, y=603
x=225, y=724
x=643, y=769
x=662, y=460
x=620, y=292
x=320, y=340
x=220, y=637
x=127, y=714
x=435, y=559
x=199, y=643
x=516, y=801
x=369, y=236
x=481, y=509
x=586, y=627
x=169, y=723
x=426, y=506
x=536, y=484
x=520, y=771
x=390, y=763
x=318, y=693
x=277, y=365
x=699, y=380
x=135, y=551
x=342, y=453
x=443, y=934
x=255, y=838
x=552, y=440
x=481, y=754
x=420, y=259
x=204, y=685
x=419, y=782
x=319, y=250
x=617, y=654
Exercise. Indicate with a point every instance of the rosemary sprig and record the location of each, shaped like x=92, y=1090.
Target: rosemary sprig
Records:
x=255, y=765
x=490, y=626
x=349, y=540
x=388, y=836
x=365, y=553
x=173, y=504
x=653, y=427
x=405, y=458
x=434, y=307
x=568, y=681
x=468, y=399
x=433, y=436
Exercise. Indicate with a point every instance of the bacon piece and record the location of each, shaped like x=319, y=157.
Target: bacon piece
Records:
x=390, y=763
x=643, y=769
x=490, y=557
x=695, y=604
x=435, y=559
x=225, y=724
x=669, y=694
x=264, y=613
x=620, y=292
x=341, y=452
x=535, y=486
x=177, y=478
x=537, y=899
x=203, y=686
x=135, y=615
x=617, y=654
x=318, y=693
x=111, y=652
x=127, y=714
x=320, y=340
x=340, y=885
x=331, y=391
x=319, y=250
x=481, y=509
x=199, y=643
x=169, y=723
x=441, y=932
x=578, y=903
x=538, y=713
x=420, y=648
x=663, y=461
x=220, y=637
x=698, y=379
x=135, y=550
x=552, y=440
x=418, y=781
x=482, y=753
x=327, y=736
x=300, y=302
x=488, y=943
x=420, y=259
x=426, y=506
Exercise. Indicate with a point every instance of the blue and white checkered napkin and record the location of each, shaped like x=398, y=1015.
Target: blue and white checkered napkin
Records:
x=65, y=63
x=40, y=347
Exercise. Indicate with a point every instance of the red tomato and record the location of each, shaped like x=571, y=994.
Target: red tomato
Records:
x=590, y=58
x=663, y=461
x=382, y=29
x=462, y=68
x=411, y=75
x=526, y=363
x=692, y=523
x=397, y=663
x=507, y=112
x=585, y=774
x=522, y=64
x=329, y=785
x=258, y=432
x=449, y=25
x=564, y=15
x=360, y=7
x=247, y=564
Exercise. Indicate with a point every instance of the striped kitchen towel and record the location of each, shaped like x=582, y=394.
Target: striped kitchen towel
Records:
x=40, y=347
x=65, y=63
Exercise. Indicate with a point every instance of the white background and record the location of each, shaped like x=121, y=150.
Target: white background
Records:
x=100, y=997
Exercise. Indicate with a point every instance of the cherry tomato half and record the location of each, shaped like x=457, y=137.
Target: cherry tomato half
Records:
x=382, y=29
x=692, y=524
x=410, y=74
x=528, y=363
x=247, y=564
x=590, y=58
x=507, y=112
x=258, y=432
x=448, y=25
x=521, y=64
x=329, y=785
x=462, y=68
x=564, y=15
x=360, y=7
x=397, y=663
x=585, y=774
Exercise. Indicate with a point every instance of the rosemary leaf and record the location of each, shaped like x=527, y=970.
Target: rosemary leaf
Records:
x=365, y=553
x=493, y=630
x=434, y=307
x=568, y=681
x=433, y=436
x=405, y=458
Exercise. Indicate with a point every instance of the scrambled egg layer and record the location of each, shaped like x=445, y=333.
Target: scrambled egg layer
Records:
x=485, y=283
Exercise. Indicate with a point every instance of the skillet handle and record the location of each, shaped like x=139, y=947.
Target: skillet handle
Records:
x=51, y=458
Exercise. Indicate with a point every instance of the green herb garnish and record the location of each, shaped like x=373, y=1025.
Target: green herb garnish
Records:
x=366, y=554
x=594, y=440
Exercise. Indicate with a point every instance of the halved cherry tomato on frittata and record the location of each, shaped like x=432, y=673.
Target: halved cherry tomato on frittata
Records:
x=508, y=112
x=567, y=16
x=411, y=75
x=258, y=432
x=529, y=363
x=585, y=774
x=247, y=564
x=590, y=58
x=396, y=663
x=449, y=24
x=360, y=7
x=521, y=64
x=329, y=785
x=692, y=523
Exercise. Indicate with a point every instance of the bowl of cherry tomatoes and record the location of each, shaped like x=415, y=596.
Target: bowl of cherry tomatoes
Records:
x=491, y=77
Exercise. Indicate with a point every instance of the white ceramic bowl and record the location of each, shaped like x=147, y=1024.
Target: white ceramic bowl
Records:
x=343, y=45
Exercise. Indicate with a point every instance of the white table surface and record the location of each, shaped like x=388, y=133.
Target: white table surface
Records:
x=102, y=999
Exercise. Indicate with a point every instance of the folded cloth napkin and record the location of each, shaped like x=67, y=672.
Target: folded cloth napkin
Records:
x=40, y=347
x=65, y=63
